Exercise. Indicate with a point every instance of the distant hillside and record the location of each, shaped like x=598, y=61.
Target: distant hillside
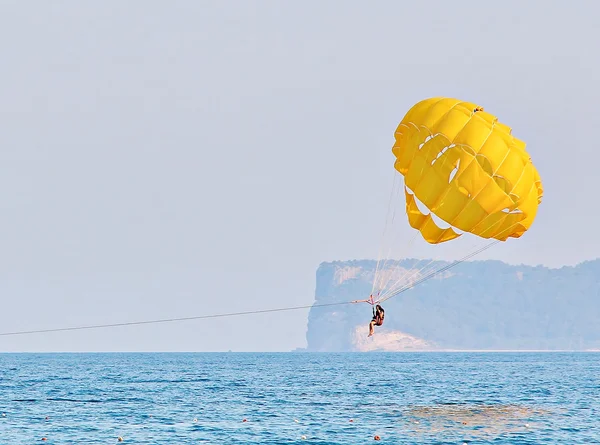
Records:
x=475, y=305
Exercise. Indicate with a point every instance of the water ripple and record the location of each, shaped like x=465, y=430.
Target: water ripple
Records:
x=499, y=398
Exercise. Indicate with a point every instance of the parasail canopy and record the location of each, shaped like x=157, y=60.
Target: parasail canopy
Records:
x=465, y=168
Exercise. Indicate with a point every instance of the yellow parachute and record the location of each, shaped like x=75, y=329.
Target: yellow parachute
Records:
x=467, y=169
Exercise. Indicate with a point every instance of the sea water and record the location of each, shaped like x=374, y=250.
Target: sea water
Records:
x=288, y=398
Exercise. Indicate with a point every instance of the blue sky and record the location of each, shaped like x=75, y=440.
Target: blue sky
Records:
x=164, y=159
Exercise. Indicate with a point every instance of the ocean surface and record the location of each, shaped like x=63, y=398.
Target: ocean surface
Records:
x=288, y=398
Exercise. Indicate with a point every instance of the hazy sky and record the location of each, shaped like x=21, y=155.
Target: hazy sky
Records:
x=176, y=158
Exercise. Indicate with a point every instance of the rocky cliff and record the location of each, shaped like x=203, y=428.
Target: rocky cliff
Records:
x=475, y=305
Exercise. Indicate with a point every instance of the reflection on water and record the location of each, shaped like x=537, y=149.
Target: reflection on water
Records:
x=474, y=421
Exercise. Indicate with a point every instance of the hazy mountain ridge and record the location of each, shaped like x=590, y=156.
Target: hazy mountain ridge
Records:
x=474, y=305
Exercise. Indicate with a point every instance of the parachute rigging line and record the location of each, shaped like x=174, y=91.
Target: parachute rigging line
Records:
x=232, y=314
x=409, y=274
x=442, y=269
x=392, y=197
